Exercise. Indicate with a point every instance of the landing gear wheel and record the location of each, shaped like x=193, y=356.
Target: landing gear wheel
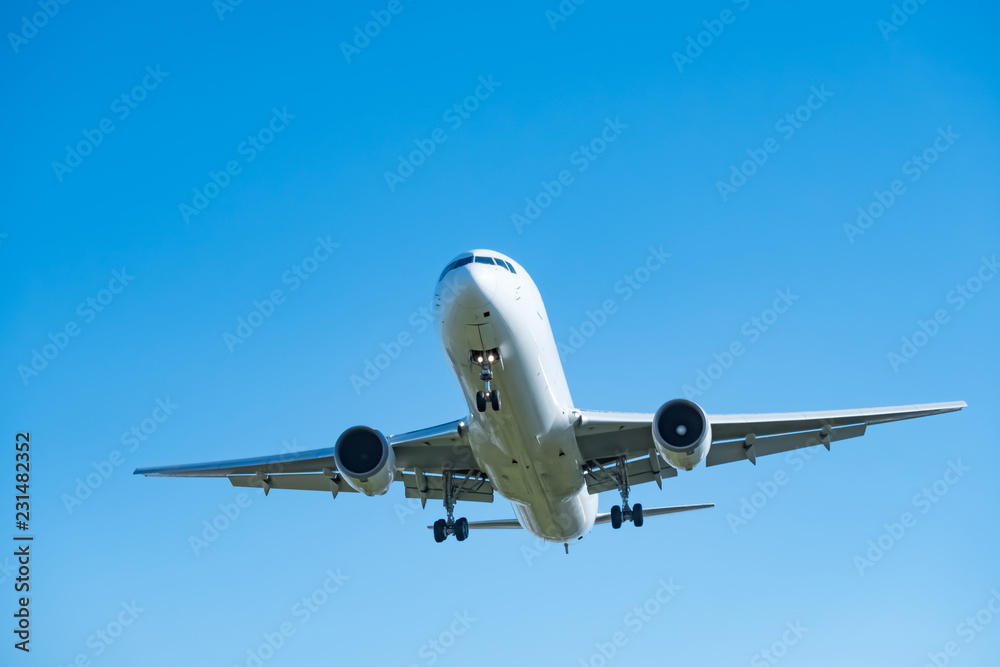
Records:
x=481, y=401
x=616, y=517
x=461, y=529
x=440, y=530
x=495, y=400
x=637, y=515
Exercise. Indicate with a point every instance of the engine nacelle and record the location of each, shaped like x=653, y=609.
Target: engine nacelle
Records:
x=682, y=433
x=365, y=459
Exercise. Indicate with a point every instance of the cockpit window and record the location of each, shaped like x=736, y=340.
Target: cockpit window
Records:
x=481, y=259
x=454, y=265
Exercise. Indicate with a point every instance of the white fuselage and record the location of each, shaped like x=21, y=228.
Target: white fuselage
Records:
x=529, y=447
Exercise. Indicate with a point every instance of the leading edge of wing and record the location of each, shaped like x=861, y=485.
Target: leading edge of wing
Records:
x=729, y=426
x=309, y=461
x=415, y=445
x=735, y=426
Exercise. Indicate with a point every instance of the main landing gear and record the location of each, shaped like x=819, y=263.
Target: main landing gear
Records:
x=443, y=528
x=624, y=512
x=492, y=396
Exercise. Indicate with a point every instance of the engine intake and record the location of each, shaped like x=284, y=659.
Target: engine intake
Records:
x=682, y=433
x=365, y=459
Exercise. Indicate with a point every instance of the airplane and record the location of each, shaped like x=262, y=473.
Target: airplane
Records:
x=549, y=458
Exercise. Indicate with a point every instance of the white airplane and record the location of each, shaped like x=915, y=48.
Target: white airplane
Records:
x=547, y=457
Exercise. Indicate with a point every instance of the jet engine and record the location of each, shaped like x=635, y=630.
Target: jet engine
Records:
x=365, y=459
x=682, y=433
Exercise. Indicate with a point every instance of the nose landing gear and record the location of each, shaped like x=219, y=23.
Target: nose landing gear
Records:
x=485, y=359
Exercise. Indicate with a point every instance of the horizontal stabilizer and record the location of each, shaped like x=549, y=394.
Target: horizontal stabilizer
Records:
x=497, y=524
x=657, y=511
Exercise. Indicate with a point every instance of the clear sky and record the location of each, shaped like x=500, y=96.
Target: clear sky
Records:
x=168, y=168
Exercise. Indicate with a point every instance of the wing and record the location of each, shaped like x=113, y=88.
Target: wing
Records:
x=422, y=459
x=605, y=437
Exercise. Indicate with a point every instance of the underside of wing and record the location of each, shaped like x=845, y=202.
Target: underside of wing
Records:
x=429, y=462
x=299, y=462
x=612, y=441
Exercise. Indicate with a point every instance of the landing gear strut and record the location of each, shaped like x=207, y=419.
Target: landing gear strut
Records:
x=442, y=527
x=624, y=512
x=492, y=396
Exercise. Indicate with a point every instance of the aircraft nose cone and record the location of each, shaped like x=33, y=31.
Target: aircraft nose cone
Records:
x=475, y=285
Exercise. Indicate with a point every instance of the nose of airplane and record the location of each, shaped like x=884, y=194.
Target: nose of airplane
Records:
x=474, y=285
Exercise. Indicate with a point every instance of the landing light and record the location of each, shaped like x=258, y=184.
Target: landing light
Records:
x=491, y=359
x=480, y=359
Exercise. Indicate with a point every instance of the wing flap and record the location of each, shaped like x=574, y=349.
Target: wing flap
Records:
x=639, y=471
x=475, y=489
x=303, y=482
x=738, y=450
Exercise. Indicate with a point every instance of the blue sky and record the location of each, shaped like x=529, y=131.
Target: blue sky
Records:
x=123, y=121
